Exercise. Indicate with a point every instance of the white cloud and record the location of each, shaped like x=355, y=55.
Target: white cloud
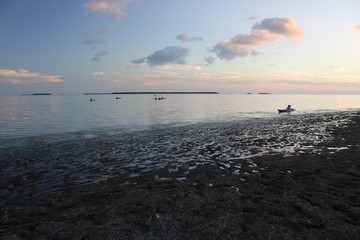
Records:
x=23, y=76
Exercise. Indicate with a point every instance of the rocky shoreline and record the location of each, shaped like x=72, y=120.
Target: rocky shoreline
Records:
x=284, y=192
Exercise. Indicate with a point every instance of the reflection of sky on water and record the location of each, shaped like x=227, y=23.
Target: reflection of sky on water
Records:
x=34, y=115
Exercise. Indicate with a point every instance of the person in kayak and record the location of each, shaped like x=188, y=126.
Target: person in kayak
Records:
x=288, y=108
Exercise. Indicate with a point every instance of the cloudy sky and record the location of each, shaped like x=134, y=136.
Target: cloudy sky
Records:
x=230, y=46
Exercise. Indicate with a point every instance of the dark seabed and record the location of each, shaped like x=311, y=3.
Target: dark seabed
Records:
x=294, y=177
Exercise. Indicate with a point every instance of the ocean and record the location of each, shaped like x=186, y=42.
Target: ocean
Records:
x=25, y=116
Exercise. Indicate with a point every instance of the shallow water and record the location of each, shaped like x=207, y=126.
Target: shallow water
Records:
x=40, y=164
x=37, y=115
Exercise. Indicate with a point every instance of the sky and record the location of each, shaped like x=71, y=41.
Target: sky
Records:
x=228, y=46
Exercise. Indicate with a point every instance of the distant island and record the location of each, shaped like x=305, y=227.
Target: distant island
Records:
x=264, y=93
x=97, y=93
x=151, y=93
x=35, y=94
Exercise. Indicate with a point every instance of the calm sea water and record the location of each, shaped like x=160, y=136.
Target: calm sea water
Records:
x=36, y=115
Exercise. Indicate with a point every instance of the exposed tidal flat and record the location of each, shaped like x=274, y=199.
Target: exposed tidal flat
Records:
x=294, y=177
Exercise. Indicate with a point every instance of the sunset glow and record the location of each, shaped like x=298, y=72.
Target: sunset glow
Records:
x=140, y=45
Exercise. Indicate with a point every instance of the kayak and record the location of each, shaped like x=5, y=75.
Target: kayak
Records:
x=92, y=100
x=285, y=110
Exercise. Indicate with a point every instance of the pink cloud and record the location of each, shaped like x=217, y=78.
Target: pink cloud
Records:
x=282, y=26
x=239, y=45
x=268, y=30
x=357, y=28
x=255, y=37
x=24, y=76
x=113, y=8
